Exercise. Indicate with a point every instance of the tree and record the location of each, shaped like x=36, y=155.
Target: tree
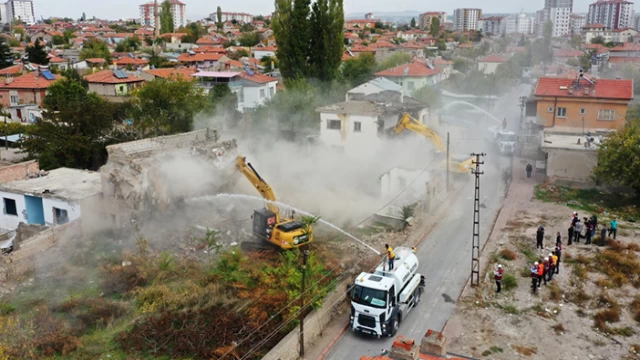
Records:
x=163, y=106
x=398, y=58
x=129, y=44
x=94, y=48
x=219, y=18
x=300, y=29
x=434, y=27
x=573, y=62
x=59, y=40
x=619, y=157
x=249, y=39
x=6, y=57
x=358, y=71
x=428, y=95
x=575, y=41
x=547, y=32
x=75, y=128
x=413, y=22
x=522, y=41
x=84, y=17
x=585, y=61
x=267, y=62
x=379, y=25
x=598, y=40
x=245, y=28
x=37, y=54
x=224, y=105
x=72, y=74
x=166, y=18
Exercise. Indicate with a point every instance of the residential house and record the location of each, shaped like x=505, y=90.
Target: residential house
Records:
x=12, y=71
x=207, y=80
x=113, y=85
x=489, y=64
x=608, y=35
x=374, y=86
x=130, y=63
x=593, y=31
x=445, y=66
x=61, y=196
x=563, y=152
x=261, y=51
x=91, y=63
x=412, y=76
x=173, y=38
x=59, y=63
x=414, y=49
x=564, y=55
x=581, y=104
x=168, y=73
x=257, y=89
x=200, y=60
x=351, y=126
x=28, y=90
x=359, y=23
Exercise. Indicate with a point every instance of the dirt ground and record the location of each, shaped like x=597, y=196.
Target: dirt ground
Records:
x=588, y=310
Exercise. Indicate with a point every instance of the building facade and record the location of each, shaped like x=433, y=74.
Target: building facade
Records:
x=577, y=22
x=231, y=16
x=178, y=11
x=520, y=24
x=466, y=19
x=613, y=14
x=21, y=10
x=495, y=25
x=426, y=19
x=559, y=13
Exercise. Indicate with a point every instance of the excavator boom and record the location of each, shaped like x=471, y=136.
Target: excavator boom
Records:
x=408, y=122
x=263, y=188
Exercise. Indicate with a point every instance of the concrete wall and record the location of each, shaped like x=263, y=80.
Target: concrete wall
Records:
x=488, y=67
x=346, y=138
x=10, y=222
x=252, y=98
x=574, y=118
x=571, y=165
x=73, y=210
x=18, y=171
x=289, y=347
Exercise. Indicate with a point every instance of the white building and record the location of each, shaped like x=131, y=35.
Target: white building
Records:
x=178, y=10
x=521, y=24
x=231, y=16
x=350, y=126
x=426, y=18
x=496, y=25
x=21, y=10
x=636, y=22
x=61, y=196
x=613, y=14
x=369, y=16
x=252, y=90
x=559, y=13
x=466, y=19
x=577, y=22
x=374, y=86
x=489, y=64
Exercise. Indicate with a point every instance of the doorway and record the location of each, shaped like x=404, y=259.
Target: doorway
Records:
x=34, y=209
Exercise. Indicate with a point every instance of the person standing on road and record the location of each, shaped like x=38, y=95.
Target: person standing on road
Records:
x=552, y=266
x=574, y=218
x=559, y=255
x=594, y=219
x=529, y=170
x=588, y=232
x=556, y=262
x=577, y=230
x=543, y=268
x=570, y=238
x=539, y=237
x=391, y=255
x=497, y=275
x=534, y=276
x=558, y=238
x=603, y=235
x=613, y=228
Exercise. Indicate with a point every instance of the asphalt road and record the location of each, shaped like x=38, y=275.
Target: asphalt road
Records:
x=445, y=255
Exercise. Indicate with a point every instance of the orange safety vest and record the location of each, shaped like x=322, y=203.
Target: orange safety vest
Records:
x=540, y=269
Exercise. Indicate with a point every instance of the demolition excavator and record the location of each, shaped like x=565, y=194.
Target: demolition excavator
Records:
x=287, y=233
x=458, y=164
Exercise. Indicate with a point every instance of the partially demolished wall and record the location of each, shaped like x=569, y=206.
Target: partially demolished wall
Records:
x=138, y=179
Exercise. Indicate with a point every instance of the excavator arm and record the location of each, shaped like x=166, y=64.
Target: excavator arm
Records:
x=408, y=122
x=258, y=182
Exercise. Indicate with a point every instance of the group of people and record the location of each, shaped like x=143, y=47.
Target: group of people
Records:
x=587, y=229
x=545, y=268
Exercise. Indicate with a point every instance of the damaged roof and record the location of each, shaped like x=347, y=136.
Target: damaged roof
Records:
x=62, y=183
x=352, y=108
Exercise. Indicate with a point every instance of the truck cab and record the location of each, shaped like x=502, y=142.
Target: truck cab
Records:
x=505, y=140
x=380, y=300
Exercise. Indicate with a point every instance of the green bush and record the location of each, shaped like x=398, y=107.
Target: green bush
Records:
x=6, y=308
x=509, y=281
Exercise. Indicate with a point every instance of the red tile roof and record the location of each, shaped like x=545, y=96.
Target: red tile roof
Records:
x=412, y=45
x=188, y=58
x=416, y=69
x=382, y=44
x=56, y=60
x=493, y=59
x=624, y=60
x=594, y=26
x=626, y=47
x=180, y=35
x=29, y=81
x=108, y=77
x=11, y=70
x=173, y=72
x=603, y=88
x=210, y=48
x=264, y=48
x=130, y=61
x=441, y=61
x=568, y=53
x=95, y=61
x=257, y=78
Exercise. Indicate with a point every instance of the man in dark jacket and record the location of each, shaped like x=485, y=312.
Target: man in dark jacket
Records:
x=603, y=235
x=529, y=170
x=539, y=237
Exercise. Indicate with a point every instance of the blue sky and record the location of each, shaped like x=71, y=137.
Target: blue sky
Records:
x=197, y=9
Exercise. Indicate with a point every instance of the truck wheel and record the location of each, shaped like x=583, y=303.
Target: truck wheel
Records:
x=394, y=326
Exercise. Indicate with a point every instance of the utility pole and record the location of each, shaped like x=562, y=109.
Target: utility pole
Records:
x=447, y=161
x=523, y=106
x=305, y=257
x=475, y=250
x=156, y=20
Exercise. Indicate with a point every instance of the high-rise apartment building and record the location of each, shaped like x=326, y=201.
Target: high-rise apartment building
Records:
x=577, y=22
x=21, y=10
x=466, y=19
x=613, y=14
x=495, y=25
x=559, y=13
x=178, y=12
x=426, y=19
x=521, y=24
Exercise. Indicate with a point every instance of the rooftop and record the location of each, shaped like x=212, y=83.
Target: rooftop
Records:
x=565, y=141
x=62, y=183
x=167, y=73
x=602, y=88
x=413, y=69
x=257, y=78
x=380, y=83
x=493, y=59
x=216, y=74
x=109, y=77
x=30, y=81
x=352, y=108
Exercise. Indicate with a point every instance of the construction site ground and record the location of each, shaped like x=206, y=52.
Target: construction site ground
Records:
x=586, y=312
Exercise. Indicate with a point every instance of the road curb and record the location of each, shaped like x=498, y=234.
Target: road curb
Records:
x=333, y=343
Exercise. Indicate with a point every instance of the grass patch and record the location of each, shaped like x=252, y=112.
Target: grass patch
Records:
x=602, y=317
x=591, y=201
x=626, y=331
x=508, y=254
x=621, y=267
x=510, y=309
x=555, y=294
x=530, y=255
x=524, y=350
x=635, y=308
x=525, y=272
x=6, y=308
x=509, y=282
x=558, y=328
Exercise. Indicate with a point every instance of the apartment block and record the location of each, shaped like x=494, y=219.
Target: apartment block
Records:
x=21, y=10
x=466, y=19
x=520, y=24
x=178, y=10
x=426, y=19
x=495, y=25
x=613, y=14
x=576, y=23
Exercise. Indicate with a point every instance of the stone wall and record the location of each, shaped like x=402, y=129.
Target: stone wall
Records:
x=18, y=171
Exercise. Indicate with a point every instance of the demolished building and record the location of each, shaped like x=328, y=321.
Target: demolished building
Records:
x=154, y=175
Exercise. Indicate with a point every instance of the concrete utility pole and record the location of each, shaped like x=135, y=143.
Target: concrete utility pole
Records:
x=448, y=161
x=305, y=257
x=475, y=250
x=156, y=19
x=523, y=106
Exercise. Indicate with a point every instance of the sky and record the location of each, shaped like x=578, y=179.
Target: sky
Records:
x=198, y=9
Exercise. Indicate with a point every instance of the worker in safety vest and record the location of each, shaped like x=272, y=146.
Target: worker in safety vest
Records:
x=558, y=254
x=543, y=268
x=552, y=266
x=556, y=260
x=534, y=276
x=391, y=255
x=497, y=275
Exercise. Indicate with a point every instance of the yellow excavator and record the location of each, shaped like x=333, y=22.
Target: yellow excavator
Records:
x=287, y=233
x=458, y=164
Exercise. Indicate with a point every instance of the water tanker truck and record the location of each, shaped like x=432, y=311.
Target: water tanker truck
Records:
x=382, y=299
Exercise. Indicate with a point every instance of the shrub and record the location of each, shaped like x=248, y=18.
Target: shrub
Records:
x=602, y=317
x=166, y=261
x=118, y=279
x=559, y=328
x=626, y=331
x=555, y=294
x=508, y=254
x=530, y=255
x=621, y=267
x=633, y=246
x=635, y=308
x=510, y=309
x=6, y=308
x=615, y=245
x=525, y=272
x=509, y=281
